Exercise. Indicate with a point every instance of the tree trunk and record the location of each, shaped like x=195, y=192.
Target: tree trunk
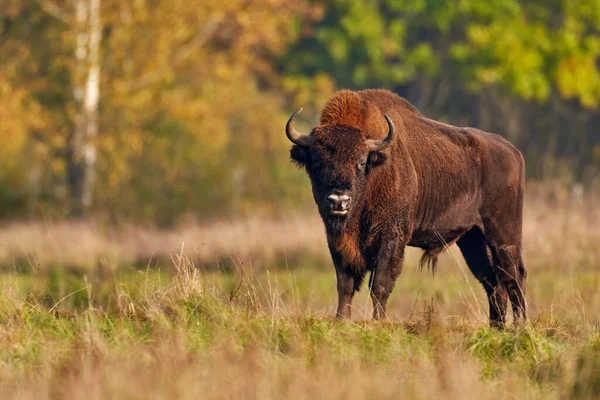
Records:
x=86, y=91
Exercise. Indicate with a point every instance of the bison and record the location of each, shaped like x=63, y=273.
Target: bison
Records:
x=384, y=177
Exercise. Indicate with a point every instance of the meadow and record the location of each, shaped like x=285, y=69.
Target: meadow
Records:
x=243, y=309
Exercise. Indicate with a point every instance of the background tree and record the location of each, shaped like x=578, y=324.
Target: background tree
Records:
x=82, y=152
x=527, y=70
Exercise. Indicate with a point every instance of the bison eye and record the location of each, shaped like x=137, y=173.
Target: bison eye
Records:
x=362, y=164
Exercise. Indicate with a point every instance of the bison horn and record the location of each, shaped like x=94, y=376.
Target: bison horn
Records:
x=294, y=136
x=380, y=144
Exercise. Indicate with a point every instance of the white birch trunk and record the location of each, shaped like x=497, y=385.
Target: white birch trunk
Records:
x=86, y=91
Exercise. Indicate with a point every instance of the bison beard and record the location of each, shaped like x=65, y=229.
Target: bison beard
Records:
x=385, y=177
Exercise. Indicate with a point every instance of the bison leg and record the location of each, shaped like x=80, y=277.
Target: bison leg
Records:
x=477, y=254
x=516, y=293
x=384, y=275
x=346, y=289
x=512, y=274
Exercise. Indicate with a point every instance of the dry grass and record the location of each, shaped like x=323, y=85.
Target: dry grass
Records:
x=560, y=232
x=87, y=245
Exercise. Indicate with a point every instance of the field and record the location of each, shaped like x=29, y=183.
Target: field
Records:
x=242, y=309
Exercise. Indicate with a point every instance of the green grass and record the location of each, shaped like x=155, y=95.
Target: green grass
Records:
x=269, y=334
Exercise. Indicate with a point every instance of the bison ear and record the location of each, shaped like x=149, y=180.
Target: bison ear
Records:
x=377, y=158
x=300, y=156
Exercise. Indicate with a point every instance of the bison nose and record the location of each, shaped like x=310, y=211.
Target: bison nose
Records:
x=338, y=202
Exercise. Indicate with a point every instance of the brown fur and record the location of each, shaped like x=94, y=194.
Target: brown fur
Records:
x=347, y=246
x=435, y=185
x=430, y=259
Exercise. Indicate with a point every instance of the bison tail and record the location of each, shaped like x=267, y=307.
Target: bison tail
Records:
x=430, y=259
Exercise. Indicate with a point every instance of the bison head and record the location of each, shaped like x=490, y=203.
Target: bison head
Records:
x=339, y=160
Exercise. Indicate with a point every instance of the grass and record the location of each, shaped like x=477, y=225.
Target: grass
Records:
x=139, y=334
x=244, y=311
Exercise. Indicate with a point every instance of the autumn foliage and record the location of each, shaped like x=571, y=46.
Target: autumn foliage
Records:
x=193, y=95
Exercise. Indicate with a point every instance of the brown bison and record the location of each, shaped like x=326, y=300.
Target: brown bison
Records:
x=384, y=177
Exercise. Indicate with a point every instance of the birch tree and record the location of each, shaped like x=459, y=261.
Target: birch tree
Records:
x=82, y=152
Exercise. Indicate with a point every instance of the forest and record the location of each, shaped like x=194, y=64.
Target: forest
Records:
x=156, y=111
